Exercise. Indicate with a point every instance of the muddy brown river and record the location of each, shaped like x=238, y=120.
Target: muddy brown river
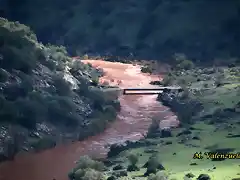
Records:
x=132, y=122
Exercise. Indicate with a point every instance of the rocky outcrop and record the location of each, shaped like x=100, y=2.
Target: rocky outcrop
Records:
x=184, y=108
x=46, y=97
x=115, y=149
x=208, y=94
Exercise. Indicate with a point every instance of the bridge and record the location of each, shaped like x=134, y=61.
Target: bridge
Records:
x=149, y=91
x=141, y=91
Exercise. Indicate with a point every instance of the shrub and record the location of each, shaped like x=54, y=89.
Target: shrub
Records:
x=62, y=110
x=61, y=85
x=44, y=143
x=27, y=112
x=19, y=50
x=219, y=80
x=86, y=162
x=185, y=93
x=133, y=159
x=159, y=176
x=85, y=57
x=154, y=127
x=110, y=112
x=56, y=51
x=152, y=164
x=185, y=64
x=8, y=111
x=146, y=69
x=91, y=174
x=95, y=81
x=76, y=66
x=97, y=124
x=87, y=169
x=167, y=80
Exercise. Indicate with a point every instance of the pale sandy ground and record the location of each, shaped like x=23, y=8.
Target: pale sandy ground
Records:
x=124, y=75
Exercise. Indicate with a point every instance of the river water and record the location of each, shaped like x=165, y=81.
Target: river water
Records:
x=132, y=122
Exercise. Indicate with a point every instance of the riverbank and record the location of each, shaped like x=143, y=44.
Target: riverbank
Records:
x=55, y=98
x=208, y=109
x=132, y=123
x=73, y=107
x=176, y=154
x=47, y=98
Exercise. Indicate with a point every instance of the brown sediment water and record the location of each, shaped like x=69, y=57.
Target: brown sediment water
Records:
x=132, y=122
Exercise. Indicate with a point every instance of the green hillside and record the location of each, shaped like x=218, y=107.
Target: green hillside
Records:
x=147, y=28
x=46, y=98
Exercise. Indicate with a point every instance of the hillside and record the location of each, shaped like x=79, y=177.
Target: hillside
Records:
x=46, y=97
x=204, y=147
x=203, y=30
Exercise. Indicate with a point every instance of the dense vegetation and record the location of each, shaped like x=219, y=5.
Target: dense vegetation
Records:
x=208, y=107
x=146, y=29
x=87, y=169
x=47, y=98
x=46, y=92
x=210, y=94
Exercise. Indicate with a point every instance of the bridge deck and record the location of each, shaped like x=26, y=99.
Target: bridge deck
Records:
x=146, y=91
x=139, y=91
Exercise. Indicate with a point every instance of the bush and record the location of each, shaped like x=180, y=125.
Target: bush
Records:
x=23, y=111
x=87, y=169
x=86, y=162
x=8, y=111
x=61, y=85
x=97, y=124
x=85, y=57
x=28, y=111
x=62, y=110
x=44, y=143
x=183, y=62
x=219, y=80
x=185, y=93
x=159, y=176
x=146, y=69
x=110, y=111
x=167, y=80
x=76, y=66
x=95, y=81
x=87, y=174
x=19, y=50
x=152, y=165
x=186, y=65
x=154, y=127
x=92, y=174
x=133, y=159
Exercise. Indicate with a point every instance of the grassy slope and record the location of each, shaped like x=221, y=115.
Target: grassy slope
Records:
x=212, y=131
x=177, y=166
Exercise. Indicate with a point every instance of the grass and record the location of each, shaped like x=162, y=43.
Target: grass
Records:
x=177, y=156
x=177, y=166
